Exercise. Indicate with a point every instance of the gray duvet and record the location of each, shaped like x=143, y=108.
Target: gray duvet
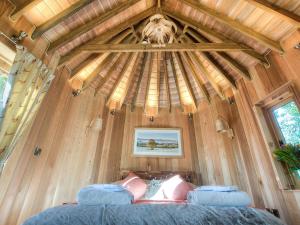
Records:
x=151, y=215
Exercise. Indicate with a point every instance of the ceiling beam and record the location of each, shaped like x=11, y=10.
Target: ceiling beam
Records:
x=217, y=66
x=102, y=57
x=83, y=64
x=138, y=85
x=222, y=18
x=21, y=8
x=201, y=28
x=91, y=24
x=74, y=8
x=235, y=65
x=106, y=59
x=204, y=71
x=148, y=80
x=128, y=67
x=132, y=71
x=209, y=58
x=158, y=77
x=185, y=77
x=167, y=47
x=107, y=75
x=92, y=76
x=120, y=75
x=166, y=77
x=276, y=10
x=196, y=76
x=176, y=82
x=103, y=38
x=73, y=53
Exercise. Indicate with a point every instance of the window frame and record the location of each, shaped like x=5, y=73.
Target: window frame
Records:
x=266, y=122
x=272, y=121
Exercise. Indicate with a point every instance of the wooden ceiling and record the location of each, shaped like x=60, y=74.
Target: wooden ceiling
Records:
x=216, y=43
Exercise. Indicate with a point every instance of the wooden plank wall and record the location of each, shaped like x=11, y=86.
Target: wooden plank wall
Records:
x=74, y=156
x=221, y=159
x=283, y=69
x=30, y=184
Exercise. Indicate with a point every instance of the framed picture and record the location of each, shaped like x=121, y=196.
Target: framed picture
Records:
x=157, y=142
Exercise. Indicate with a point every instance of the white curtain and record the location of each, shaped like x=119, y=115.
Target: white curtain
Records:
x=31, y=80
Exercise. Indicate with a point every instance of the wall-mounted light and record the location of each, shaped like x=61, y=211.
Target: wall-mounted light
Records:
x=222, y=126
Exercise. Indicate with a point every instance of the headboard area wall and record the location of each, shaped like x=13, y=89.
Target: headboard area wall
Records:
x=166, y=120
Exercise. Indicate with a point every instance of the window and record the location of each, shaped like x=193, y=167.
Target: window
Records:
x=279, y=118
x=6, y=60
x=287, y=122
x=286, y=119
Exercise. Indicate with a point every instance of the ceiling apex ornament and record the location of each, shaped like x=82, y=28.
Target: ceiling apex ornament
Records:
x=159, y=31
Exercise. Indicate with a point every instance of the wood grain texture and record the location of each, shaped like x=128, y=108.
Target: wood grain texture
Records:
x=283, y=69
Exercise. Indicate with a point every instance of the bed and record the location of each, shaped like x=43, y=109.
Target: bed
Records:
x=148, y=214
x=152, y=212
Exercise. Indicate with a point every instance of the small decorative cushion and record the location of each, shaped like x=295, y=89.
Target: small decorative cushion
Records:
x=176, y=188
x=154, y=190
x=135, y=185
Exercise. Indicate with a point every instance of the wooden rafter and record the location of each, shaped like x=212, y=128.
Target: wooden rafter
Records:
x=92, y=24
x=185, y=77
x=21, y=8
x=217, y=66
x=74, y=52
x=158, y=77
x=166, y=48
x=119, y=78
x=166, y=73
x=132, y=59
x=222, y=18
x=103, y=57
x=105, y=37
x=95, y=73
x=140, y=77
x=211, y=32
x=109, y=73
x=196, y=76
x=235, y=65
x=204, y=71
x=148, y=79
x=276, y=10
x=82, y=65
x=210, y=59
x=97, y=70
x=136, y=60
x=176, y=82
x=59, y=18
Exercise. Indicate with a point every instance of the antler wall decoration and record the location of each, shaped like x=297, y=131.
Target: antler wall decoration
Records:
x=159, y=30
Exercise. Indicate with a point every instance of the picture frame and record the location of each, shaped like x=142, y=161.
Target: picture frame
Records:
x=158, y=142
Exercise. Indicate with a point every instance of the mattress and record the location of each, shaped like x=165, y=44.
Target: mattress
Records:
x=148, y=214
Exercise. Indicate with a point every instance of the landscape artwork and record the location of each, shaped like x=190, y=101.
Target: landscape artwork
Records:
x=160, y=142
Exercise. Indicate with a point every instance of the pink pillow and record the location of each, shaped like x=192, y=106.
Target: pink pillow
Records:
x=135, y=185
x=175, y=188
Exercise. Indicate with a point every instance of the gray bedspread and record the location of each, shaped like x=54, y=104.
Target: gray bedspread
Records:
x=151, y=215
